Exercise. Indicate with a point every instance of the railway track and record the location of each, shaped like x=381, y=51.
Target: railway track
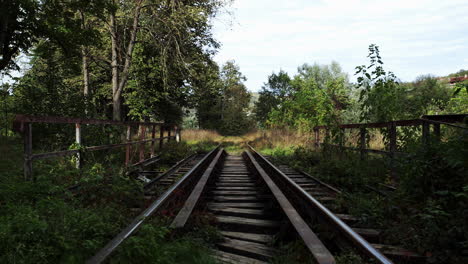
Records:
x=254, y=205
x=327, y=194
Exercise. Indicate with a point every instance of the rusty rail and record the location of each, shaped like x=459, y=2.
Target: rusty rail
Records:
x=358, y=241
x=23, y=124
x=112, y=245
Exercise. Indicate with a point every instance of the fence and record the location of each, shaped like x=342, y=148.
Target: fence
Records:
x=425, y=122
x=24, y=125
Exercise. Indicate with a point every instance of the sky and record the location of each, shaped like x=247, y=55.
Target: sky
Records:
x=415, y=36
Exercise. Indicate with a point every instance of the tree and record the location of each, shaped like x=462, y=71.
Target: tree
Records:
x=381, y=94
x=122, y=53
x=234, y=101
x=24, y=22
x=317, y=95
x=274, y=92
x=173, y=58
x=19, y=29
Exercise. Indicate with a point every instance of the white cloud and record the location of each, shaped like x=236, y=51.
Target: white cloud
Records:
x=416, y=37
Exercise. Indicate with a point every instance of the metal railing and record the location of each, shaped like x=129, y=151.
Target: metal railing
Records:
x=23, y=124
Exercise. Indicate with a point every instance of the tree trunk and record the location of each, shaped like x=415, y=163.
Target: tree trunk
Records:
x=115, y=69
x=84, y=56
x=119, y=78
x=116, y=105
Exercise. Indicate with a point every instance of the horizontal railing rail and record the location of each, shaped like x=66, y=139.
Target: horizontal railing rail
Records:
x=391, y=149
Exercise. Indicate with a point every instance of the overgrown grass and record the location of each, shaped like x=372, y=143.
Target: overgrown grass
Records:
x=155, y=243
x=45, y=222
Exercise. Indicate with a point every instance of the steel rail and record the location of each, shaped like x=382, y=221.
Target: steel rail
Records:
x=311, y=240
x=109, y=248
x=182, y=217
x=354, y=237
x=331, y=188
x=168, y=172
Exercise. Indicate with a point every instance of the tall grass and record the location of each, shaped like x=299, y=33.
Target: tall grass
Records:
x=279, y=138
x=197, y=135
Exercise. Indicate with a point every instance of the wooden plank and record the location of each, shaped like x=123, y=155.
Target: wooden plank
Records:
x=234, y=193
x=233, y=188
x=397, y=251
x=240, y=212
x=235, y=220
x=258, y=238
x=238, y=205
x=228, y=199
x=246, y=248
x=368, y=233
x=184, y=214
x=225, y=257
x=235, y=184
x=347, y=217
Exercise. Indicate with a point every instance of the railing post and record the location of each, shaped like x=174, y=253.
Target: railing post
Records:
x=142, y=145
x=317, y=137
x=78, y=142
x=178, y=134
x=169, y=133
x=128, y=148
x=393, y=148
x=437, y=131
x=27, y=139
x=161, y=136
x=362, y=146
x=153, y=135
x=425, y=132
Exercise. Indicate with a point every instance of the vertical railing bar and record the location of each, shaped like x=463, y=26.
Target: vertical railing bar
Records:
x=393, y=148
x=128, y=149
x=161, y=136
x=169, y=129
x=437, y=131
x=27, y=139
x=78, y=143
x=153, y=135
x=363, y=144
x=142, y=145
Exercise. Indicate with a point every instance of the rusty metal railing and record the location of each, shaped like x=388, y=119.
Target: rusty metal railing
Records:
x=23, y=124
x=392, y=152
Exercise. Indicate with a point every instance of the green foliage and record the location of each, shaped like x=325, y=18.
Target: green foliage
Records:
x=46, y=222
x=153, y=244
x=174, y=151
x=350, y=258
x=224, y=105
x=317, y=96
x=458, y=103
x=381, y=95
x=273, y=94
x=427, y=211
x=433, y=195
x=294, y=252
